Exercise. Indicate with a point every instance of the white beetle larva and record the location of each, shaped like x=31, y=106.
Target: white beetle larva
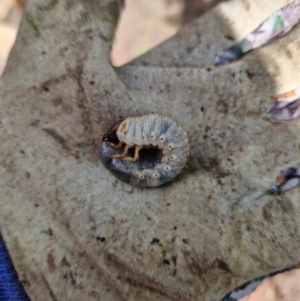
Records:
x=145, y=151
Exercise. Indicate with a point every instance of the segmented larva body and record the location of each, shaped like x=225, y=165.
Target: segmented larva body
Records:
x=161, y=150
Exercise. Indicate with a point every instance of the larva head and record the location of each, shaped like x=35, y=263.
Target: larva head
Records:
x=111, y=136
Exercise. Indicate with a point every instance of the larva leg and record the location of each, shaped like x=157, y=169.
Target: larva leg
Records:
x=123, y=156
x=115, y=145
x=135, y=157
x=120, y=156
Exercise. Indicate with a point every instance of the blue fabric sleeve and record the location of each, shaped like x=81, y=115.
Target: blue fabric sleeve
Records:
x=11, y=288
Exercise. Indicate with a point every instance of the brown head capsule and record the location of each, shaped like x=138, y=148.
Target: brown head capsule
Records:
x=145, y=151
x=111, y=136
